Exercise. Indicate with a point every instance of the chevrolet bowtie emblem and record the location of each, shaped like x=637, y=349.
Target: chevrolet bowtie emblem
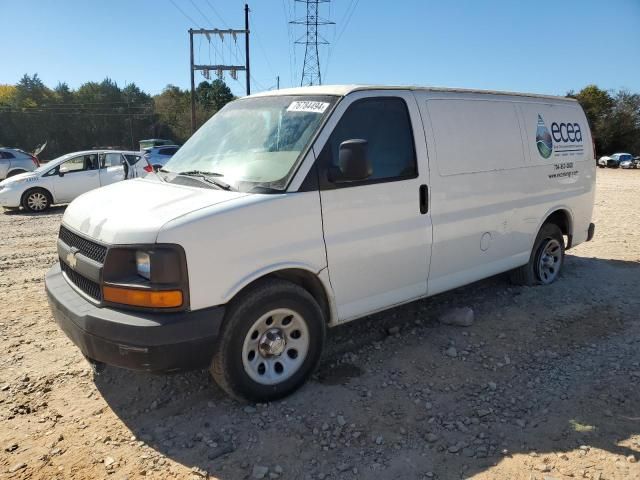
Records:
x=71, y=258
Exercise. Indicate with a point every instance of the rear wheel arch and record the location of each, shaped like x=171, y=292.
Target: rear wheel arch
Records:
x=564, y=221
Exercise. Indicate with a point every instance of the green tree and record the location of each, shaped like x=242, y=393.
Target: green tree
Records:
x=213, y=96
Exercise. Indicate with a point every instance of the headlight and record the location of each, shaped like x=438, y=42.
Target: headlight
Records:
x=153, y=276
x=143, y=264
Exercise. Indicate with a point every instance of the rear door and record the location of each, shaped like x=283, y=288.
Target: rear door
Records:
x=111, y=168
x=75, y=177
x=377, y=232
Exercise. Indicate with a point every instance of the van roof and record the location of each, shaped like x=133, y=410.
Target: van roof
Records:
x=342, y=90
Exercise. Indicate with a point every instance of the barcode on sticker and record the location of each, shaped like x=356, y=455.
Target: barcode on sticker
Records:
x=308, y=106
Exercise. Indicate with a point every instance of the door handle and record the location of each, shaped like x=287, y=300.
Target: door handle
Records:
x=424, y=199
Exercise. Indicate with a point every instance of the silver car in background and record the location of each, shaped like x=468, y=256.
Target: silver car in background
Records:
x=159, y=156
x=14, y=161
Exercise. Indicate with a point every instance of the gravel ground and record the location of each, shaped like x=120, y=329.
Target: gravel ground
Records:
x=544, y=385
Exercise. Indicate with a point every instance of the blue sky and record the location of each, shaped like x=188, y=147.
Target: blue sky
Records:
x=542, y=46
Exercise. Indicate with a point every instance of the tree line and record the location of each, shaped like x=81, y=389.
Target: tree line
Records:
x=614, y=118
x=100, y=114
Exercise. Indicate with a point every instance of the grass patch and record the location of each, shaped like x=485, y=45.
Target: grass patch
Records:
x=581, y=427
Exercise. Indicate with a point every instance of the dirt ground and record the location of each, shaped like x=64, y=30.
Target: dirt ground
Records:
x=544, y=385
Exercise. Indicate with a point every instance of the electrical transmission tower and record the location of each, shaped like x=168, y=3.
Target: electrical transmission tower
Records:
x=311, y=68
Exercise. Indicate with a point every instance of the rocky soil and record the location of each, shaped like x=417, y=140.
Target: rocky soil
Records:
x=545, y=384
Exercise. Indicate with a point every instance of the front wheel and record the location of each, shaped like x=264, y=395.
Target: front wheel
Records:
x=546, y=260
x=270, y=342
x=36, y=200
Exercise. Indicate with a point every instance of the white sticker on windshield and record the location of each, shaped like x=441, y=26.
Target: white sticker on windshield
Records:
x=308, y=106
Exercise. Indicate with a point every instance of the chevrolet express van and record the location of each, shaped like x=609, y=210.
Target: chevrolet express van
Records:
x=293, y=211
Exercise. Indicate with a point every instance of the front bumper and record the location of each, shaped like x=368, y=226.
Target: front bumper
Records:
x=136, y=340
x=10, y=197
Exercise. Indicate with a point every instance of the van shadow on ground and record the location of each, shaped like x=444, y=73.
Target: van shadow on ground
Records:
x=545, y=369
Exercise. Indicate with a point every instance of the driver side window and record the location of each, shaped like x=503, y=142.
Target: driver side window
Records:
x=385, y=124
x=79, y=164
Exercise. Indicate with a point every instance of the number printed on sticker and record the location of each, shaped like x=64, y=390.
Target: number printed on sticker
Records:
x=307, y=106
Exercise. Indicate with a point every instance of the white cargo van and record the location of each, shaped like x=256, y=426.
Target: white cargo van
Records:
x=292, y=211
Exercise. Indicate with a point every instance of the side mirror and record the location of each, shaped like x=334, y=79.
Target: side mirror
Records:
x=353, y=162
x=62, y=171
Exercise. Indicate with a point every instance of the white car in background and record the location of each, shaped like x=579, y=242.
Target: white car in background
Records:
x=65, y=178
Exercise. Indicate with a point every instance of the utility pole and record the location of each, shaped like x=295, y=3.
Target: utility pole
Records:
x=278, y=82
x=219, y=69
x=193, y=86
x=311, y=68
x=246, y=46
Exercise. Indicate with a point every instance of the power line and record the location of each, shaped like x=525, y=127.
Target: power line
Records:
x=344, y=25
x=87, y=114
x=264, y=53
x=217, y=14
x=201, y=13
x=185, y=15
x=347, y=16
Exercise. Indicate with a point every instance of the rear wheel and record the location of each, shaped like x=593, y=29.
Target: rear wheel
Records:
x=270, y=342
x=36, y=200
x=545, y=262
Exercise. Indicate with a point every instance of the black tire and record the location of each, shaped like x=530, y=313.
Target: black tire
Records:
x=29, y=196
x=15, y=172
x=227, y=367
x=532, y=273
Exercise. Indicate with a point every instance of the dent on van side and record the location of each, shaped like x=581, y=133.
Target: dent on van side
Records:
x=293, y=211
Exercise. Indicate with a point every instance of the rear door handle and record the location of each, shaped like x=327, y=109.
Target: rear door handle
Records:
x=424, y=199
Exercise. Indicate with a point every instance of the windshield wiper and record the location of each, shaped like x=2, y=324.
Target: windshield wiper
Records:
x=201, y=172
x=206, y=176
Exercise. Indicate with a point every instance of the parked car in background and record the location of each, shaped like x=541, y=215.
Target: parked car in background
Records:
x=155, y=142
x=65, y=178
x=606, y=161
x=616, y=158
x=135, y=165
x=628, y=161
x=14, y=161
x=159, y=156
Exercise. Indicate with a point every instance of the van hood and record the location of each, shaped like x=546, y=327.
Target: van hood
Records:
x=134, y=211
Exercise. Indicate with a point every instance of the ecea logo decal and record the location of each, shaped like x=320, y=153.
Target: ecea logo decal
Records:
x=566, y=132
x=543, y=139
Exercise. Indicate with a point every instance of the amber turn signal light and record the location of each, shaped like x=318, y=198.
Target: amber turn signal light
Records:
x=143, y=298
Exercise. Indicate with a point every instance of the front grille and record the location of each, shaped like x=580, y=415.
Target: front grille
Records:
x=88, y=248
x=89, y=287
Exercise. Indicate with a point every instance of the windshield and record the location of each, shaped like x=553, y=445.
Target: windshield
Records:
x=253, y=142
x=51, y=163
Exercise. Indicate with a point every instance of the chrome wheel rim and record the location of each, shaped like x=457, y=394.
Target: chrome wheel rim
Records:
x=37, y=201
x=549, y=262
x=275, y=346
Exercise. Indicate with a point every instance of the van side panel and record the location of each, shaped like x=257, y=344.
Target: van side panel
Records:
x=489, y=192
x=476, y=149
